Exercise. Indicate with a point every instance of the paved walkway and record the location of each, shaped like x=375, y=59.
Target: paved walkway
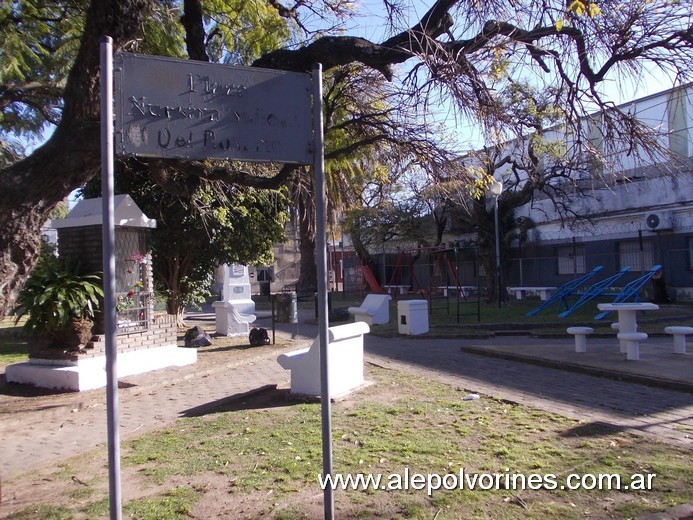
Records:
x=50, y=429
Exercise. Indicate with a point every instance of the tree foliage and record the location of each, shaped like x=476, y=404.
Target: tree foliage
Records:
x=370, y=131
x=40, y=40
x=459, y=53
x=56, y=293
x=214, y=224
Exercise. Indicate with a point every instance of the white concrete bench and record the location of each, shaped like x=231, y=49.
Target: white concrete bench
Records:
x=402, y=289
x=632, y=343
x=679, y=334
x=375, y=309
x=521, y=292
x=580, y=334
x=622, y=344
x=345, y=359
x=464, y=290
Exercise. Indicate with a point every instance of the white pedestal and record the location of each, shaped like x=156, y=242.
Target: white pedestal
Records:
x=90, y=373
x=237, y=309
x=233, y=318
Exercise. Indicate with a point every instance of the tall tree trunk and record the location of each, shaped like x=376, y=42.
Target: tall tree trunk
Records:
x=34, y=186
x=308, y=277
x=486, y=236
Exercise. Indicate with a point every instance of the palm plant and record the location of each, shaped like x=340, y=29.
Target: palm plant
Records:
x=59, y=300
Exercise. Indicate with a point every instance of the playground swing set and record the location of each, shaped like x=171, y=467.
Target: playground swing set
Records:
x=443, y=279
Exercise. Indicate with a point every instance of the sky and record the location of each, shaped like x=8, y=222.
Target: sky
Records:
x=372, y=24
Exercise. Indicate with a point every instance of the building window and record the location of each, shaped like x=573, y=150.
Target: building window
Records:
x=638, y=254
x=265, y=274
x=678, y=132
x=130, y=243
x=595, y=136
x=571, y=259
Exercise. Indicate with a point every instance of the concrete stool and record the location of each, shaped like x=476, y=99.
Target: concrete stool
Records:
x=622, y=344
x=632, y=341
x=580, y=334
x=679, y=334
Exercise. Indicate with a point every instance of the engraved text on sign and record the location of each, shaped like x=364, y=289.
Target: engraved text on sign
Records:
x=173, y=108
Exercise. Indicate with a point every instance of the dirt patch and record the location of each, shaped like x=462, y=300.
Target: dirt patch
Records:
x=258, y=457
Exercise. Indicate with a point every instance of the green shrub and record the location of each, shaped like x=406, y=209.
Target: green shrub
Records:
x=56, y=294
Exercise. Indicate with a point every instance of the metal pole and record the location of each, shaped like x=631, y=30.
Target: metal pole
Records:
x=498, y=262
x=325, y=406
x=274, y=326
x=341, y=228
x=109, y=309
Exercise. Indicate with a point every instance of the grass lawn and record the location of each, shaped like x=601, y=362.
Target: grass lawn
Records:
x=447, y=318
x=260, y=458
x=14, y=348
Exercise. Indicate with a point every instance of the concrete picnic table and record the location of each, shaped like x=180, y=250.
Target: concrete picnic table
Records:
x=627, y=320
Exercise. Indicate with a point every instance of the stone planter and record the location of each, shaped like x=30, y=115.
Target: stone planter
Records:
x=73, y=337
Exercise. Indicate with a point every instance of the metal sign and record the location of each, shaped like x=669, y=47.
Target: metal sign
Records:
x=187, y=109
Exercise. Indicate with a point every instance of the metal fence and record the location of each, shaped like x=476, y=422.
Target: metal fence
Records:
x=133, y=311
x=463, y=268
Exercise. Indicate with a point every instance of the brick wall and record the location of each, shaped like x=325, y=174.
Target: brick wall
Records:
x=162, y=331
x=83, y=245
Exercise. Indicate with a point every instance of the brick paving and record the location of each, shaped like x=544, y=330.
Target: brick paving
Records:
x=77, y=422
x=69, y=424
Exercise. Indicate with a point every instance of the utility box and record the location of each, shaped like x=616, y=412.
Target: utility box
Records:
x=412, y=317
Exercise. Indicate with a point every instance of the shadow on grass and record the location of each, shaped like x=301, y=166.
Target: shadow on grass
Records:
x=229, y=348
x=592, y=429
x=263, y=397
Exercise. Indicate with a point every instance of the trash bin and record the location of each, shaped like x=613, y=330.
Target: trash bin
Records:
x=287, y=307
x=329, y=305
x=412, y=317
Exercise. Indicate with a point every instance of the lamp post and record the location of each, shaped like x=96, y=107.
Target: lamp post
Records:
x=496, y=189
x=341, y=267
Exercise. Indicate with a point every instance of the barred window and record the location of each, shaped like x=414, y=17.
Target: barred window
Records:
x=638, y=254
x=571, y=259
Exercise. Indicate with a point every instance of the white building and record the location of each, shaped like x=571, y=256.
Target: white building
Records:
x=641, y=216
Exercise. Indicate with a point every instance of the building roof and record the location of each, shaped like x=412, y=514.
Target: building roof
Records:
x=88, y=212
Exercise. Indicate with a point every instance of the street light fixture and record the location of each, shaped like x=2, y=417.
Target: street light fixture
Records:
x=496, y=188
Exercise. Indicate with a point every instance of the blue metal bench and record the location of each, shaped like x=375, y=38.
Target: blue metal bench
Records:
x=595, y=290
x=564, y=290
x=631, y=290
